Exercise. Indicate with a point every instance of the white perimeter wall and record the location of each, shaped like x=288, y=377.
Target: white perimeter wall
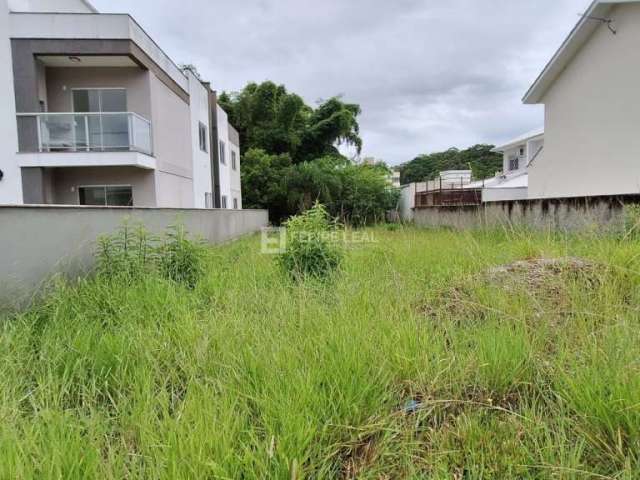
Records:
x=407, y=202
x=592, y=117
x=201, y=160
x=11, y=184
x=225, y=170
x=504, y=194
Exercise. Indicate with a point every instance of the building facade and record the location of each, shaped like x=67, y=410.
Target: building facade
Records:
x=592, y=108
x=519, y=155
x=98, y=114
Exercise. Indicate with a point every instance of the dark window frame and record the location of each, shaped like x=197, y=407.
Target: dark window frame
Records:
x=202, y=137
x=83, y=188
x=223, y=157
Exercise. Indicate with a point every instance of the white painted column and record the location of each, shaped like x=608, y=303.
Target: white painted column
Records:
x=11, y=183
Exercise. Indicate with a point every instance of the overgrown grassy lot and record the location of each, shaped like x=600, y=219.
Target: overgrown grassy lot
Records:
x=417, y=361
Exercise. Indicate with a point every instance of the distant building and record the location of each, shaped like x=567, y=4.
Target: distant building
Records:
x=394, y=178
x=512, y=183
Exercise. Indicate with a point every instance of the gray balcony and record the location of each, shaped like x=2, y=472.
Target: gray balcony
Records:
x=85, y=132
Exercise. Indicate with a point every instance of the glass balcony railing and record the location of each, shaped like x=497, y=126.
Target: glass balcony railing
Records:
x=88, y=132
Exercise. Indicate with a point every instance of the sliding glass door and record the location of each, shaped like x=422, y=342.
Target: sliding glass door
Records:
x=106, y=196
x=108, y=129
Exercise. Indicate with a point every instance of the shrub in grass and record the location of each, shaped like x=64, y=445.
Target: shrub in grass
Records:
x=126, y=254
x=312, y=249
x=132, y=252
x=182, y=259
x=631, y=221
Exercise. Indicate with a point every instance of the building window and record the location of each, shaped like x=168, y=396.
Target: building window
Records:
x=103, y=132
x=223, y=159
x=514, y=163
x=521, y=151
x=202, y=133
x=106, y=196
x=113, y=100
x=235, y=204
x=233, y=160
x=224, y=201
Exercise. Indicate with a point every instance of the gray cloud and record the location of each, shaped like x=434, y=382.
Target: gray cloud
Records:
x=428, y=75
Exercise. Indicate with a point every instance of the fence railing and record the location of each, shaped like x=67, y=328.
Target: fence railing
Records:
x=441, y=193
x=89, y=132
x=447, y=198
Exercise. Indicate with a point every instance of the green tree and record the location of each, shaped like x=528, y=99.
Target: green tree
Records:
x=479, y=159
x=356, y=194
x=291, y=158
x=264, y=181
x=268, y=117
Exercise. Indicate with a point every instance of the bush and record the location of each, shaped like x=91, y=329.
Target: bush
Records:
x=312, y=248
x=132, y=252
x=358, y=194
x=181, y=259
x=631, y=220
x=126, y=254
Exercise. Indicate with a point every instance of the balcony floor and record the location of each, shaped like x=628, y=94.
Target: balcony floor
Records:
x=87, y=159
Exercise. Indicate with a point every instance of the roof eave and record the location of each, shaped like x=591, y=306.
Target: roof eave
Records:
x=569, y=48
x=517, y=142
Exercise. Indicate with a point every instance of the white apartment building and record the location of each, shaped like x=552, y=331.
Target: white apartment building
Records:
x=95, y=113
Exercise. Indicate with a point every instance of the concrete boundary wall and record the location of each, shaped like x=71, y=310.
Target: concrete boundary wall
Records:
x=605, y=214
x=37, y=242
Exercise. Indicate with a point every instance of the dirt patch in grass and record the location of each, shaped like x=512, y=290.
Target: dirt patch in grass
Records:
x=535, y=273
x=418, y=417
x=358, y=457
x=543, y=280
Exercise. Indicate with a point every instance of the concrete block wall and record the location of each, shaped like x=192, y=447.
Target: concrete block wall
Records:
x=37, y=242
x=604, y=214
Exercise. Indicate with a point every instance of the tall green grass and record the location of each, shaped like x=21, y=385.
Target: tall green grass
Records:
x=408, y=364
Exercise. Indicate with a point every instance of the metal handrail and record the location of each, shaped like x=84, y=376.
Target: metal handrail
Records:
x=144, y=146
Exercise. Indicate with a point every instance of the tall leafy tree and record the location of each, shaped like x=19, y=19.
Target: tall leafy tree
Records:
x=291, y=158
x=269, y=117
x=332, y=123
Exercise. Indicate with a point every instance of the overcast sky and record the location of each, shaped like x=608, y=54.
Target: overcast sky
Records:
x=428, y=74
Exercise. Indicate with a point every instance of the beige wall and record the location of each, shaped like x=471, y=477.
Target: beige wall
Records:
x=61, y=81
x=171, y=121
x=67, y=180
x=44, y=241
x=592, y=117
x=173, y=191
